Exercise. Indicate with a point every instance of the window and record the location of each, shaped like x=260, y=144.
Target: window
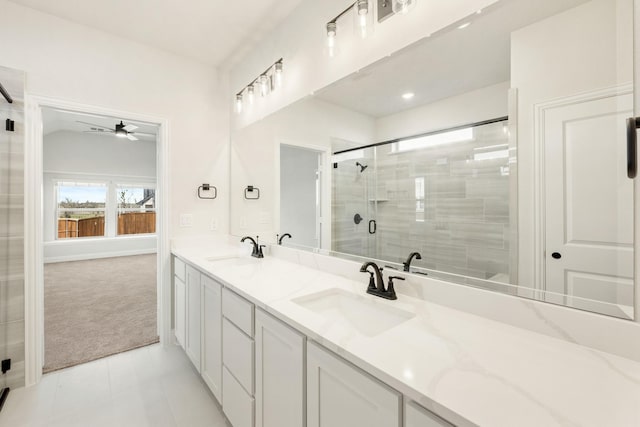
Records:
x=81, y=209
x=136, y=209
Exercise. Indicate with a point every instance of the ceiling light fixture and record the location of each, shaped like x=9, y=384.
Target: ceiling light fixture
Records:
x=121, y=132
x=408, y=95
x=271, y=78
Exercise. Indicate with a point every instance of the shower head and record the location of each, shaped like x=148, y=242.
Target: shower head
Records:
x=362, y=167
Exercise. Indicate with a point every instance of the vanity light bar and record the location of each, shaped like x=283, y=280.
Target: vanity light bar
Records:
x=363, y=14
x=266, y=82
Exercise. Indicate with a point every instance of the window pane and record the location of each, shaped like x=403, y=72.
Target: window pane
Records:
x=136, y=209
x=81, y=209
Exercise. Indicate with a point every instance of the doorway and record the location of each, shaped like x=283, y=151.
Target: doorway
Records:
x=301, y=195
x=99, y=221
x=34, y=221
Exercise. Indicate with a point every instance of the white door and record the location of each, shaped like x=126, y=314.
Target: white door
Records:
x=589, y=200
x=212, y=336
x=192, y=342
x=279, y=374
x=340, y=395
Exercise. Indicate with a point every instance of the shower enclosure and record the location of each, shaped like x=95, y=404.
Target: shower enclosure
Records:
x=11, y=231
x=444, y=194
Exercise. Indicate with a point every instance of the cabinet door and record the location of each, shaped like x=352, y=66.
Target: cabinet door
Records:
x=417, y=416
x=192, y=344
x=279, y=373
x=341, y=395
x=212, y=335
x=180, y=309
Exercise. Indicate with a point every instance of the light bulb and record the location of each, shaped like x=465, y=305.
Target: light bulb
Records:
x=363, y=17
x=251, y=94
x=278, y=73
x=332, y=29
x=239, y=103
x=264, y=85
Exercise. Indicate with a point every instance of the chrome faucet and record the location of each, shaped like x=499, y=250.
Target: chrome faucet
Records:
x=376, y=285
x=407, y=263
x=257, y=248
x=282, y=237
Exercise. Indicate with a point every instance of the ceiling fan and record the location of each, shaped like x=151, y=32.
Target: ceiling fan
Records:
x=120, y=130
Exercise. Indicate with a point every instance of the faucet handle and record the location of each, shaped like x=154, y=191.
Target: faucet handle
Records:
x=390, y=289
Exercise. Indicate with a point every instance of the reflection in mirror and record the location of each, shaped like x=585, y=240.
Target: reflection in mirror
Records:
x=495, y=150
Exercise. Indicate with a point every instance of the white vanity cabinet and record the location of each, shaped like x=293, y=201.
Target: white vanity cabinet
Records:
x=280, y=386
x=238, y=359
x=417, y=416
x=211, y=366
x=180, y=300
x=194, y=298
x=341, y=395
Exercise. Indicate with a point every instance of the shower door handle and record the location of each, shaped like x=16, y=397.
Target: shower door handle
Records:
x=375, y=226
x=633, y=123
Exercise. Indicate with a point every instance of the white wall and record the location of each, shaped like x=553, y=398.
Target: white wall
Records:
x=583, y=49
x=72, y=62
x=80, y=156
x=300, y=41
x=482, y=104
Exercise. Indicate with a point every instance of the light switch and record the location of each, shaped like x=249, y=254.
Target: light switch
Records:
x=186, y=220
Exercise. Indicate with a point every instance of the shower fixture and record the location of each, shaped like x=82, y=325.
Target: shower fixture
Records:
x=362, y=167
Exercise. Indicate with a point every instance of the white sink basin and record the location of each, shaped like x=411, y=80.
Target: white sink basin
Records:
x=349, y=310
x=235, y=260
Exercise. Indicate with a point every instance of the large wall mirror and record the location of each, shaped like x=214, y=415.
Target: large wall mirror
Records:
x=495, y=149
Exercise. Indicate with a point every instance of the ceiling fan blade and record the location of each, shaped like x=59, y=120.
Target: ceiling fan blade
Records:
x=130, y=128
x=145, y=134
x=131, y=137
x=95, y=125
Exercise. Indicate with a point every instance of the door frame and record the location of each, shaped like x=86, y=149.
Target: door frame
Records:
x=33, y=225
x=539, y=172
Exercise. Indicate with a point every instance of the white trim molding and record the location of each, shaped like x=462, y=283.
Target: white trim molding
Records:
x=34, y=254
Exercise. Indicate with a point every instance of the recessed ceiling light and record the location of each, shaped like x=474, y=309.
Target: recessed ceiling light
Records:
x=408, y=95
x=465, y=25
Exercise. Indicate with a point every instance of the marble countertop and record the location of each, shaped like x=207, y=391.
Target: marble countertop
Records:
x=468, y=369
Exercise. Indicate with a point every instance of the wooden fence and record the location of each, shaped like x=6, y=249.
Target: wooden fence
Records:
x=128, y=223
x=136, y=223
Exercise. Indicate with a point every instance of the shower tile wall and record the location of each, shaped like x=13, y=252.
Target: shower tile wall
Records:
x=12, y=230
x=459, y=223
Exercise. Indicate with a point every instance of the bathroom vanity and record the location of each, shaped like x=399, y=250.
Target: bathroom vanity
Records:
x=284, y=343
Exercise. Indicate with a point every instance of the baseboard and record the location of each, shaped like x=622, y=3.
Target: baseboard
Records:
x=84, y=257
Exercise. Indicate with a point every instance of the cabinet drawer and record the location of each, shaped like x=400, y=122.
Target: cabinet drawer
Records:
x=417, y=416
x=237, y=354
x=238, y=310
x=236, y=403
x=179, y=268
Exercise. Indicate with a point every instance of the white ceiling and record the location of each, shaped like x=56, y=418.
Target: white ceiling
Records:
x=450, y=63
x=55, y=120
x=210, y=31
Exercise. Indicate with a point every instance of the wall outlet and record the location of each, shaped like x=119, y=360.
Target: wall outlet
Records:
x=186, y=220
x=213, y=226
x=243, y=222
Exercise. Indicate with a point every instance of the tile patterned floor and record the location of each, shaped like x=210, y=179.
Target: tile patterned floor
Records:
x=151, y=386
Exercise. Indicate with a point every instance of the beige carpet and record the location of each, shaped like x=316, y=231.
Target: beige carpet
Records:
x=97, y=308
